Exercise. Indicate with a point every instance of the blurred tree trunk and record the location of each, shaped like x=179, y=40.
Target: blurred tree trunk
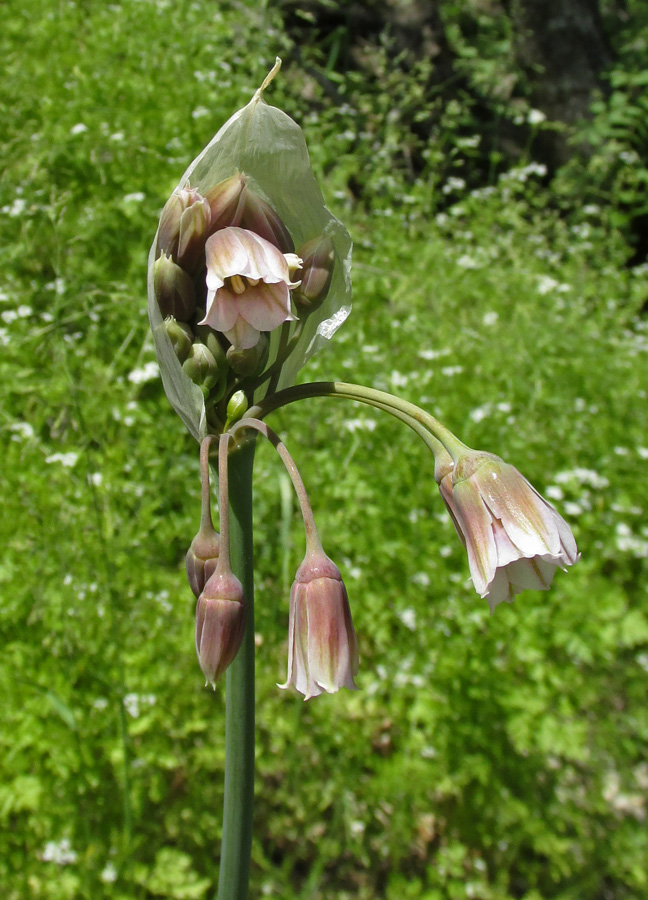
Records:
x=563, y=48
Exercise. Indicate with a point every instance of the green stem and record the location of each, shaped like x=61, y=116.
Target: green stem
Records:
x=401, y=409
x=312, y=537
x=239, y=710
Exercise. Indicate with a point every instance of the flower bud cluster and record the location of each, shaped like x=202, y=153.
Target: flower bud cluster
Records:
x=225, y=276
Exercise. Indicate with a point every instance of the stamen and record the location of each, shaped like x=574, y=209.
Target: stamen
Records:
x=253, y=281
x=238, y=285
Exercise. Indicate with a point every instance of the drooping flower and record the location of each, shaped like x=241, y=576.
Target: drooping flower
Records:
x=248, y=285
x=515, y=540
x=322, y=645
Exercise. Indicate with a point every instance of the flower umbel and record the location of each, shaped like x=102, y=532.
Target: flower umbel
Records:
x=248, y=285
x=322, y=645
x=514, y=538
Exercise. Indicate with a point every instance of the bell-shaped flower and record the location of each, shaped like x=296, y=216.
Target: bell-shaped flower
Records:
x=248, y=285
x=322, y=645
x=515, y=540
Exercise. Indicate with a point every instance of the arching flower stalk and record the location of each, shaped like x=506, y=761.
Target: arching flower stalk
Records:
x=322, y=644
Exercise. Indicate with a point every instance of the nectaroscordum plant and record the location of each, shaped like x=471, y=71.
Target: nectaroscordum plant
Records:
x=248, y=276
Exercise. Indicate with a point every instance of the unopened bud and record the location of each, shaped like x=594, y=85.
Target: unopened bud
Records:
x=201, y=367
x=181, y=337
x=174, y=290
x=220, y=624
x=184, y=227
x=209, y=338
x=237, y=407
x=251, y=361
x=224, y=203
x=259, y=217
x=318, y=262
x=202, y=558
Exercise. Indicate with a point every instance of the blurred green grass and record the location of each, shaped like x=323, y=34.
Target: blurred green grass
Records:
x=490, y=758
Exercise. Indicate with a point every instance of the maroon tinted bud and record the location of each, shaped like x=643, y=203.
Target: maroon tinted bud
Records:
x=184, y=227
x=202, y=558
x=318, y=262
x=220, y=623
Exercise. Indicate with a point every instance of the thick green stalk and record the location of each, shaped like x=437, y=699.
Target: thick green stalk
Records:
x=239, y=722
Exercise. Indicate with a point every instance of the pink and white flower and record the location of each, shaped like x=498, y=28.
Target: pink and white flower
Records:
x=322, y=644
x=248, y=285
x=514, y=538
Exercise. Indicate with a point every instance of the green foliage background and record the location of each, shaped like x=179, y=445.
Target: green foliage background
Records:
x=488, y=758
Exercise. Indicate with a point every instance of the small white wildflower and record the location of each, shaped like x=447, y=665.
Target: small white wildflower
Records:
x=135, y=197
x=9, y=316
x=408, y=618
x=59, y=852
x=421, y=578
x=199, y=112
x=95, y=478
x=467, y=262
x=536, y=117
x=399, y=380
x=449, y=371
x=68, y=460
x=16, y=208
x=132, y=705
x=453, y=184
x=79, y=128
x=480, y=412
x=359, y=424
x=22, y=430
x=546, y=284
x=24, y=311
x=433, y=354
x=583, y=476
x=148, y=372
x=490, y=318
x=554, y=492
x=109, y=873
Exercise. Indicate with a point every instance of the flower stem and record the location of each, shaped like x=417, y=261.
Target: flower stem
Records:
x=206, y=522
x=239, y=710
x=402, y=409
x=312, y=537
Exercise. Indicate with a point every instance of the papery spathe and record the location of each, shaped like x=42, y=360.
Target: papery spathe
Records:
x=248, y=285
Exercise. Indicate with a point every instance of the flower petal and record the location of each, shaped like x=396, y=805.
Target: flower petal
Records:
x=226, y=254
x=266, y=306
x=222, y=312
x=242, y=335
x=475, y=522
x=531, y=574
x=500, y=590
